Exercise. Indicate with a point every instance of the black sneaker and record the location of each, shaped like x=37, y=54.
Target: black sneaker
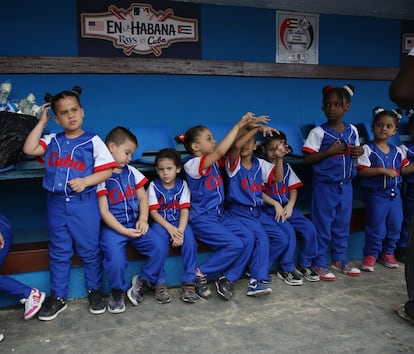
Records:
x=161, y=294
x=224, y=287
x=96, y=302
x=201, y=287
x=188, y=293
x=52, y=307
x=308, y=273
x=116, y=303
x=290, y=278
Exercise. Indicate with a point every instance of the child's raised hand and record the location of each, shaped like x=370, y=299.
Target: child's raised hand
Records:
x=44, y=115
x=267, y=131
x=246, y=120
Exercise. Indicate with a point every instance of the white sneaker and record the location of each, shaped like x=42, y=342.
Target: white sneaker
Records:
x=33, y=304
x=1, y=336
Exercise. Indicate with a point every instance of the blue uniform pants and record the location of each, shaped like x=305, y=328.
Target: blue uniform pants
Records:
x=73, y=225
x=306, y=238
x=250, y=219
x=9, y=285
x=188, y=250
x=331, y=210
x=115, y=261
x=408, y=200
x=232, y=245
x=383, y=223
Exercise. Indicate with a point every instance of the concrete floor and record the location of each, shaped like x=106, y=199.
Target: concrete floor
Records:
x=349, y=315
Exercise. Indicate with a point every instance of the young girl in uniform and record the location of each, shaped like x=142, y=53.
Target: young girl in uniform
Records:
x=281, y=206
x=247, y=174
x=379, y=168
x=75, y=162
x=123, y=205
x=227, y=238
x=408, y=191
x=169, y=205
x=331, y=149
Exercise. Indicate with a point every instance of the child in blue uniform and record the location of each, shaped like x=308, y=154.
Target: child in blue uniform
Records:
x=32, y=298
x=247, y=174
x=169, y=204
x=379, y=168
x=224, y=235
x=331, y=149
x=283, y=193
x=123, y=205
x=408, y=191
x=75, y=161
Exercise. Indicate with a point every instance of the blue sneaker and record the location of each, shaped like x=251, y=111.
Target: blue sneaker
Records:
x=257, y=288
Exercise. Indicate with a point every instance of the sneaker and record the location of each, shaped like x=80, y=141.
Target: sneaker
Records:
x=136, y=292
x=401, y=312
x=401, y=254
x=116, y=303
x=346, y=268
x=308, y=273
x=201, y=287
x=96, y=302
x=161, y=294
x=268, y=280
x=257, y=288
x=324, y=273
x=290, y=278
x=189, y=294
x=52, y=307
x=224, y=288
x=388, y=260
x=1, y=336
x=368, y=263
x=33, y=303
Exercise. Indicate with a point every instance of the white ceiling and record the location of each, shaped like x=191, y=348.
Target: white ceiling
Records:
x=397, y=9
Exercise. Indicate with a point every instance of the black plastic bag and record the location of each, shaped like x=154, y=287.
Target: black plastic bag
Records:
x=14, y=128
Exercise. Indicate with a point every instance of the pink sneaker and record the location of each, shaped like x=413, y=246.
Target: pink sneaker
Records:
x=33, y=304
x=324, y=273
x=368, y=263
x=388, y=260
x=346, y=268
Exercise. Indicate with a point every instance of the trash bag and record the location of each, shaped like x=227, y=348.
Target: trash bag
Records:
x=14, y=128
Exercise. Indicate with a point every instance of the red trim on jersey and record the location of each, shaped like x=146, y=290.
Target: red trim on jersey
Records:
x=154, y=207
x=201, y=167
x=271, y=178
x=307, y=149
x=43, y=144
x=105, y=167
x=102, y=192
x=404, y=162
x=236, y=163
x=295, y=186
x=359, y=167
x=185, y=206
x=142, y=183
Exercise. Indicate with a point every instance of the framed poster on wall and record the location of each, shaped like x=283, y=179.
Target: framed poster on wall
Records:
x=297, y=36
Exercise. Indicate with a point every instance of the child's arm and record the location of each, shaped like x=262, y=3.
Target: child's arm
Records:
x=142, y=223
x=288, y=208
x=110, y=220
x=377, y=171
x=1, y=241
x=279, y=212
x=228, y=140
x=176, y=234
x=31, y=145
x=79, y=184
x=336, y=148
